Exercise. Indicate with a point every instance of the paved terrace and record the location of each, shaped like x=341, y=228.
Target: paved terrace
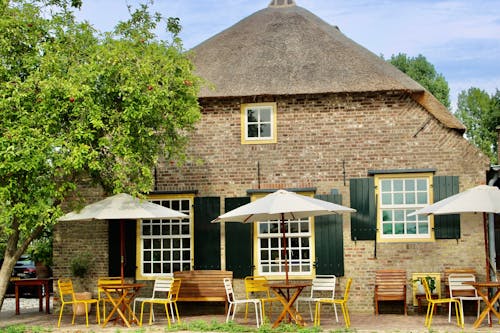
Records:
x=359, y=322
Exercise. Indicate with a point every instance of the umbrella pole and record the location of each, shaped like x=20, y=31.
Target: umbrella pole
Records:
x=122, y=250
x=284, y=246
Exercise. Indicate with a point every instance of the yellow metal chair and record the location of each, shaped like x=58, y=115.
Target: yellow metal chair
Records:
x=101, y=295
x=341, y=302
x=67, y=295
x=171, y=300
x=258, y=287
x=431, y=303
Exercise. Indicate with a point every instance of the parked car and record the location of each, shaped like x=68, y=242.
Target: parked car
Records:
x=24, y=268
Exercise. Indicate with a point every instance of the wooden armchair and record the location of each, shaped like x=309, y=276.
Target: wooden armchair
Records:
x=390, y=285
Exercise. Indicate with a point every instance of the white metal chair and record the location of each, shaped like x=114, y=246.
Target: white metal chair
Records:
x=463, y=292
x=171, y=300
x=160, y=286
x=323, y=287
x=233, y=302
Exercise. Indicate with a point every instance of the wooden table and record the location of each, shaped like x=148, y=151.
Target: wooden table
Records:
x=43, y=288
x=487, y=285
x=282, y=290
x=121, y=295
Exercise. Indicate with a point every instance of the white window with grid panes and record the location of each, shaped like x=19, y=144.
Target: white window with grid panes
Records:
x=398, y=197
x=258, y=122
x=270, y=247
x=166, y=244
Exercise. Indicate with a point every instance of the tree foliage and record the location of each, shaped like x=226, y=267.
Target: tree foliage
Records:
x=480, y=113
x=78, y=106
x=422, y=71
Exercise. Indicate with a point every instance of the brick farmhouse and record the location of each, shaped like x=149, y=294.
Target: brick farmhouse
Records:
x=293, y=103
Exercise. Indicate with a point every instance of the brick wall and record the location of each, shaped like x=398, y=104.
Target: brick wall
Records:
x=323, y=141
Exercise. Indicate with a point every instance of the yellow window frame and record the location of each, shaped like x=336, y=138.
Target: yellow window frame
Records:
x=403, y=238
x=189, y=196
x=244, y=125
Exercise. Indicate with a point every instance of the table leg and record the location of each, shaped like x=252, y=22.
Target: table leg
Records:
x=288, y=308
x=40, y=298
x=16, y=288
x=116, y=308
x=489, y=307
x=47, y=297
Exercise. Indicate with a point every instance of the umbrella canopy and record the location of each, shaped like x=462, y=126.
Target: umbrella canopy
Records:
x=122, y=207
x=479, y=199
x=282, y=205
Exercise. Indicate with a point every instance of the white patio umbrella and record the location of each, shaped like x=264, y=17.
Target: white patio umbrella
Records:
x=479, y=199
x=122, y=207
x=282, y=205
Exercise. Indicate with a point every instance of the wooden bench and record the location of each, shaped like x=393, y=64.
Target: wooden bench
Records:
x=447, y=273
x=390, y=285
x=203, y=286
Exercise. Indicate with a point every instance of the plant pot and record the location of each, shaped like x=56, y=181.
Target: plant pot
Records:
x=79, y=309
x=42, y=271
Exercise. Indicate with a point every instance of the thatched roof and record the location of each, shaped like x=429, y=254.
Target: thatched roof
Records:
x=284, y=50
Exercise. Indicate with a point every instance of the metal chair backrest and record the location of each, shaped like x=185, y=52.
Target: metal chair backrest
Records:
x=458, y=288
x=162, y=286
x=106, y=280
x=228, y=284
x=322, y=284
x=66, y=290
x=256, y=284
x=347, y=289
x=173, y=294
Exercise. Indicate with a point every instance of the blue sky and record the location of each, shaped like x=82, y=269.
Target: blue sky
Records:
x=461, y=38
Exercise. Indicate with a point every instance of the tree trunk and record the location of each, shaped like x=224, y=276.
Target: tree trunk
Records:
x=5, y=271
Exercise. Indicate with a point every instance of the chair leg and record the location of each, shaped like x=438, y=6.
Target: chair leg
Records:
x=335, y=309
x=345, y=312
x=310, y=309
x=60, y=315
x=142, y=312
x=87, y=306
x=229, y=311
x=458, y=310
x=176, y=312
x=257, y=313
x=168, y=316
x=98, y=313
x=428, y=315
x=317, y=314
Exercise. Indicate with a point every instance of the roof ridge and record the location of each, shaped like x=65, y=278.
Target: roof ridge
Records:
x=282, y=3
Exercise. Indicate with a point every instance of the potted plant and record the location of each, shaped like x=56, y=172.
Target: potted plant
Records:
x=40, y=251
x=80, y=266
x=431, y=282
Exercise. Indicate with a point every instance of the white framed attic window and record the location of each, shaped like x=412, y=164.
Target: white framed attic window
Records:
x=258, y=123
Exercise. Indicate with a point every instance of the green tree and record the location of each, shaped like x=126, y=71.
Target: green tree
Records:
x=80, y=107
x=480, y=113
x=422, y=71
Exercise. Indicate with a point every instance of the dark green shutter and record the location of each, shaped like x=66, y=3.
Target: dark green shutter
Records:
x=446, y=226
x=114, y=248
x=206, y=235
x=328, y=235
x=364, y=221
x=238, y=241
